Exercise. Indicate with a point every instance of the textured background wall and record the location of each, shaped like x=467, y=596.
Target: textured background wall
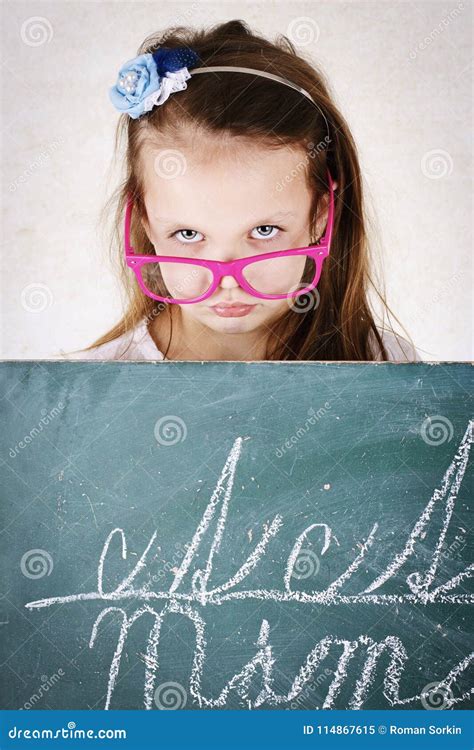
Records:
x=400, y=72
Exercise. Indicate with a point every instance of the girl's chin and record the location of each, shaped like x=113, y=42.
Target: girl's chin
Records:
x=243, y=324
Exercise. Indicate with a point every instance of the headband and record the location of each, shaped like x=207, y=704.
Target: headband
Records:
x=148, y=80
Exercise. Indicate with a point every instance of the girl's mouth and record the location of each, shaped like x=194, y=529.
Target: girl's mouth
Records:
x=234, y=310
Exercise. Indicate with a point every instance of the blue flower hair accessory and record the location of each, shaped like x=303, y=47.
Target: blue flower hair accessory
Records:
x=148, y=80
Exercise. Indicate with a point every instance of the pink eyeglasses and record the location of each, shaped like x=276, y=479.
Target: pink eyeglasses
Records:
x=277, y=275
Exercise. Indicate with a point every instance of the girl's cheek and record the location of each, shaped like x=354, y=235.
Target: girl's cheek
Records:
x=271, y=310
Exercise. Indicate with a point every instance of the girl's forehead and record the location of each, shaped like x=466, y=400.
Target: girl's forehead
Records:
x=241, y=172
x=231, y=151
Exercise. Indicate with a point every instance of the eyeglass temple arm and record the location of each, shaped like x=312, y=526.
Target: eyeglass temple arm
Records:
x=128, y=218
x=327, y=237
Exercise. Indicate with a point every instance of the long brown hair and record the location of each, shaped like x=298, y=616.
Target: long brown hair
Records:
x=338, y=323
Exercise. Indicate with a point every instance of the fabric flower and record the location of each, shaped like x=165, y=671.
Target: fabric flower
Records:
x=148, y=80
x=137, y=79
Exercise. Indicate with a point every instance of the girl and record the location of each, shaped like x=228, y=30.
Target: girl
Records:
x=229, y=167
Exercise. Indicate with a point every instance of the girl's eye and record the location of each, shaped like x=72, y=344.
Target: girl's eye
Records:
x=266, y=231
x=186, y=236
x=191, y=236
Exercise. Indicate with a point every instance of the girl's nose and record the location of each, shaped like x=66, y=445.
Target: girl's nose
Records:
x=228, y=282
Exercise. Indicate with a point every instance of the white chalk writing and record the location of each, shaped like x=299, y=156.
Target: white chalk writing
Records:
x=194, y=600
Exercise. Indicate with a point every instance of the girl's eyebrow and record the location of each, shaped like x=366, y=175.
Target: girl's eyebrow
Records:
x=280, y=215
x=269, y=218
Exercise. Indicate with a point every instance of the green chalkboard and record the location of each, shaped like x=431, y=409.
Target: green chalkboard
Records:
x=231, y=535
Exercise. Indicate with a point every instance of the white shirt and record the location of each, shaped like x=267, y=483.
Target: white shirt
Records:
x=137, y=344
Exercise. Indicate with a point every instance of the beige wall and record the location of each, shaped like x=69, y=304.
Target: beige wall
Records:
x=400, y=72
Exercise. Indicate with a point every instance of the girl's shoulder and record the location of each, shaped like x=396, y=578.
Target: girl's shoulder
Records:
x=398, y=348
x=136, y=344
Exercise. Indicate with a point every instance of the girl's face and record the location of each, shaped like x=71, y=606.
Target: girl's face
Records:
x=225, y=202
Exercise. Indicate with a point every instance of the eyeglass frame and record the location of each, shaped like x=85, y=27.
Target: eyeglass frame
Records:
x=233, y=268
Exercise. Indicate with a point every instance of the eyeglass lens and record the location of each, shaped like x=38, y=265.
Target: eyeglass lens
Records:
x=272, y=276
